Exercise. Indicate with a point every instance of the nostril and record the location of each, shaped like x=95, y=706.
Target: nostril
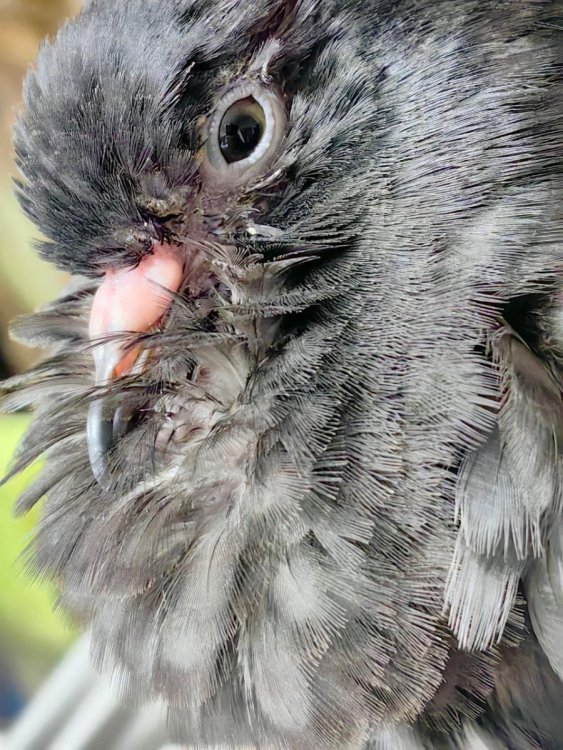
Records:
x=136, y=241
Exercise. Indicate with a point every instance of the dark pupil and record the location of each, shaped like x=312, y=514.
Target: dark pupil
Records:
x=239, y=134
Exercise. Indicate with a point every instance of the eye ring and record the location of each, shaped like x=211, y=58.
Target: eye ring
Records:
x=239, y=106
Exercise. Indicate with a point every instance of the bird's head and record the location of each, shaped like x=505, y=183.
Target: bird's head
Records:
x=296, y=228
x=190, y=160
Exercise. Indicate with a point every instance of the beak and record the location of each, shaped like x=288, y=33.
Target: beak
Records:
x=128, y=301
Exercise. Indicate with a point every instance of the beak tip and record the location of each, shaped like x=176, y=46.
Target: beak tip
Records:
x=99, y=436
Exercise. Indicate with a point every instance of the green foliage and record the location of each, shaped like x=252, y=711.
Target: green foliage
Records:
x=36, y=634
x=33, y=281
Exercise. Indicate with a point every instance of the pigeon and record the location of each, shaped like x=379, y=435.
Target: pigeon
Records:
x=301, y=406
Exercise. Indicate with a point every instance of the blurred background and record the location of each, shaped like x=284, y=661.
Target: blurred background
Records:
x=32, y=636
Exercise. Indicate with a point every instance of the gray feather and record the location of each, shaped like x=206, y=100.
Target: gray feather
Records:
x=543, y=585
x=355, y=430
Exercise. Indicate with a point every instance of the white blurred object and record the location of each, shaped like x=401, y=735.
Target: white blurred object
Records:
x=76, y=709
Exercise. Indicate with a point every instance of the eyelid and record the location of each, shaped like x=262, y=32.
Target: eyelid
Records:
x=215, y=165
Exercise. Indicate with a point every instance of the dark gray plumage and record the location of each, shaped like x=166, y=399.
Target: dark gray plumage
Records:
x=331, y=516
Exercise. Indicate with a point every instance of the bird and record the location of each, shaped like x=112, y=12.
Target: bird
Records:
x=300, y=415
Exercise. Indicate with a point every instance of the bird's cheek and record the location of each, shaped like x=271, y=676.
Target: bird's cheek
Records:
x=128, y=301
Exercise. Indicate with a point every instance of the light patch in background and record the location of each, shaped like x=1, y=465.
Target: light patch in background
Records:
x=32, y=637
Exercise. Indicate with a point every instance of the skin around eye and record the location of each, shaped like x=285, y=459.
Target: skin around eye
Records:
x=243, y=134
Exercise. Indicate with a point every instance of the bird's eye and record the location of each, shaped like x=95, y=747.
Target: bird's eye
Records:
x=244, y=133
